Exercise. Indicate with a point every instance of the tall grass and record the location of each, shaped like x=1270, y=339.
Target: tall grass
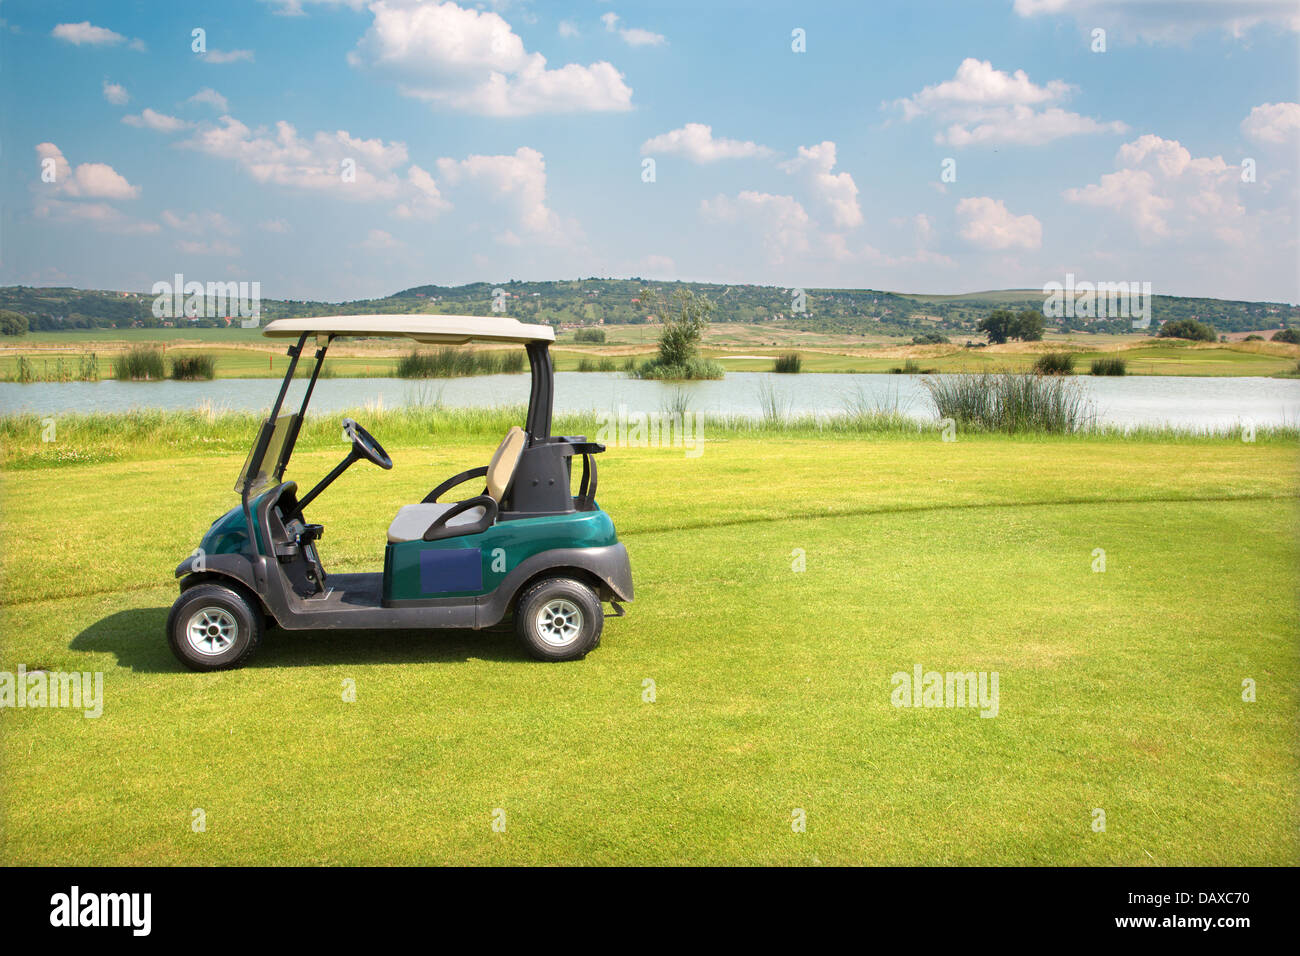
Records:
x=692, y=370
x=774, y=404
x=1112, y=365
x=788, y=362
x=153, y=433
x=1009, y=402
x=604, y=364
x=450, y=362
x=1054, y=363
x=84, y=369
x=191, y=368
x=140, y=363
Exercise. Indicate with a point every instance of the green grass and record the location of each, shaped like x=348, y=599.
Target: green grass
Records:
x=1108, y=366
x=140, y=363
x=450, y=361
x=1119, y=690
x=193, y=367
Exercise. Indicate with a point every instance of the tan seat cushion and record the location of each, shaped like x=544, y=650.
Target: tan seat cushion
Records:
x=501, y=469
x=413, y=521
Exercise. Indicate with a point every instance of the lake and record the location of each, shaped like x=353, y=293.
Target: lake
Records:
x=1130, y=400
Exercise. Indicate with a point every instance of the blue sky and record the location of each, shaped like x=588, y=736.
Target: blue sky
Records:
x=337, y=149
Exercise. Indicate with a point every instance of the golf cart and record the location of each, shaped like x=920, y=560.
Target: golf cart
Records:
x=527, y=545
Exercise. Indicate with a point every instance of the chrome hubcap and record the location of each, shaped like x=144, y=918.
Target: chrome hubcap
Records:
x=559, y=622
x=211, y=631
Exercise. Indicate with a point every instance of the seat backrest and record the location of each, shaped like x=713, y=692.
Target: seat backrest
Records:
x=501, y=469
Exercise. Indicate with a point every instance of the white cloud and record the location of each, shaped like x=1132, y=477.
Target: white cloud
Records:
x=519, y=180
x=100, y=215
x=472, y=61
x=116, y=93
x=212, y=98
x=285, y=158
x=379, y=239
x=1168, y=21
x=151, y=119
x=695, y=141
x=425, y=200
x=632, y=36
x=86, y=181
x=987, y=223
x=226, y=56
x=85, y=34
x=1166, y=193
x=983, y=105
x=567, y=29
x=215, y=247
x=198, y=223
x=781, y=221
x=1273, y=123
x=837, y=191
x=277, y=226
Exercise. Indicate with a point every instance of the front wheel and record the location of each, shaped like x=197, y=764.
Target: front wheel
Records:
x=559, y=619
x=212, y=627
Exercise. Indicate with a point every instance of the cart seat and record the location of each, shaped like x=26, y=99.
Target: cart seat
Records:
x=413, y=520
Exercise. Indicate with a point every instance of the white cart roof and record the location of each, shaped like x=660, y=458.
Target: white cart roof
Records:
x=437, y=329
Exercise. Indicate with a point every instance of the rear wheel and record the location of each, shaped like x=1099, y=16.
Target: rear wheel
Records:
x=559, y=619
x=212, y=627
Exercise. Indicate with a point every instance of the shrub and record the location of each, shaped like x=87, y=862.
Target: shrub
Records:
x=1253, y=338
x=1109, y=366
x=449, y=362
x=189, y=368
x=788, y=362
x=930, y=338
x=1054, y=363
x=1007, y=402
x=909, y=367
x=589, y=335
x=1187, y=329
x=140, y=362
x=679, y=343
x=1290, y=336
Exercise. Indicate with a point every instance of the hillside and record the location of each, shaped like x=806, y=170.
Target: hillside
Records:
x=618, y=301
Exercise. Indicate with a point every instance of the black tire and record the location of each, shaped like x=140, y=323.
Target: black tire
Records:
x=230, y=622
x=546, y=622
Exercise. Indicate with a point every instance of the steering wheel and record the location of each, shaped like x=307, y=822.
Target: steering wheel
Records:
x=365, y=446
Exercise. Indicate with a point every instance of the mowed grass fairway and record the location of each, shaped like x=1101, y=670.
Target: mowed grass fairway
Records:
x=1119, y=690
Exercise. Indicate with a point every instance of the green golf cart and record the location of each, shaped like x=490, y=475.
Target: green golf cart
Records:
x=526, y=545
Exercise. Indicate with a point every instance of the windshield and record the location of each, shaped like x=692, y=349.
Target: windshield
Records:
x=264, y=469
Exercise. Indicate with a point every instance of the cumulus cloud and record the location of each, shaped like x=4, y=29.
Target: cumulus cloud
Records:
x=519, y=181
x=152, y=119
x=632, y=36
x=212, y=98
x=982, y=105
x=1273, y=123
x=198, y=223
x=471, y=60
x=347, y=166
x=987, y=223
x=379, y=239
x=115, y=93
x=86, y=181
x=86, y=34
x=837, y=191
x=1168, y=21
x=781, y=221
x=695, y=141
x=1165, y=192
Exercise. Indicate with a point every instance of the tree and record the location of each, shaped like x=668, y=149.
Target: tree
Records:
x=1290, y=336
x=997, y=326
x=1028, y=326
x=1187, y=329
x=680, y=340
x=13, y=323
